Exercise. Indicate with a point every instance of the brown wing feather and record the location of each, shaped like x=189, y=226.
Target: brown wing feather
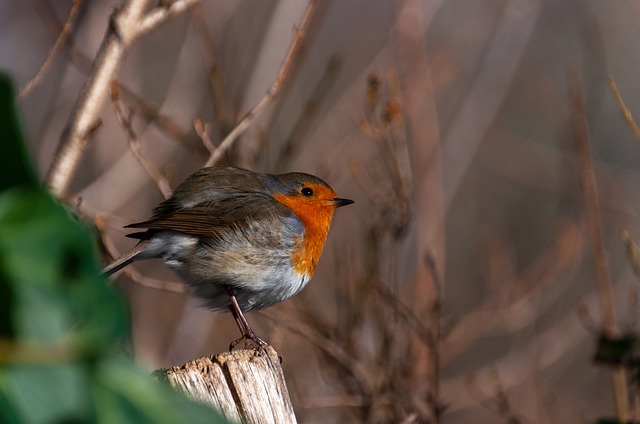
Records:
x=209, y=220
x=197, y=221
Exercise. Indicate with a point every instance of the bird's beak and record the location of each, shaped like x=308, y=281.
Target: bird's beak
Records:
x=337, y=202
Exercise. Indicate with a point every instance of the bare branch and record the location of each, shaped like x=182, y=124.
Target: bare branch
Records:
x=67, y=28
x=330, y=347
x=203, y=129
x=626, y=114
x=162, y=13
x=120, y=34
x=126, y=24
x=124, y=119
x=272, y=92
x=408, y=316
x=165, y=123
x=596, y=238
x=497, y=400
x=224, y=115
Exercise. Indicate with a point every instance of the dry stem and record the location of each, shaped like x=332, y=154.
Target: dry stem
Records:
x=67, y=28
x=126, y=24
x=203, y=129
x=626, y=114
x=596, y=239
x=124, y=119
x=272, y=92
x=499, y=401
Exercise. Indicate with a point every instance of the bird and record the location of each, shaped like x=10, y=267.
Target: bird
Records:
x=241, y=240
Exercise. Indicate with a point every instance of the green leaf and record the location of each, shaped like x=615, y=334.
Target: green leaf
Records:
x=15, y=166
x=124, y=394
x=48, y=265
x=40, y=393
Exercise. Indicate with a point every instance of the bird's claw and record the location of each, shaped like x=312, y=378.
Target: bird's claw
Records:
x=251, y=341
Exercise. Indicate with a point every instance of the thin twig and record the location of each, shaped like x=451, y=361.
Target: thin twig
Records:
x=596, y=239
x=496, y=401
x=592, y=204
x=292, y=144
x=162, y=13
x=633, y=252
x=165, y=123
x=203, y=129
x=224, y=115
x=124, y=119
x=626, y=114
x=411, y=320
x=331, y=348
x=272, y=92
x=120, y=33
x=67, y=28
x=54, y=27
x=126, y=24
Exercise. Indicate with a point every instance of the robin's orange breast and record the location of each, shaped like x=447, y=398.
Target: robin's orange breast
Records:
x=316, y=215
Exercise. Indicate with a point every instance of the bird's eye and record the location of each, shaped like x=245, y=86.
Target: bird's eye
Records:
x=306, y=191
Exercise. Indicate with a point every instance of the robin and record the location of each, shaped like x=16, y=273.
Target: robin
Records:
x=242, y=240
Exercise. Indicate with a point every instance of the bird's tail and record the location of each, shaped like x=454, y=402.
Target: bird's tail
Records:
x=124, y=260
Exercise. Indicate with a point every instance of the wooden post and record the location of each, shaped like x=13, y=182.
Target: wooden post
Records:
x=246, y=385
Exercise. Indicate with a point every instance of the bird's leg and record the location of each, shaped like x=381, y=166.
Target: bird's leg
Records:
x=248, y=335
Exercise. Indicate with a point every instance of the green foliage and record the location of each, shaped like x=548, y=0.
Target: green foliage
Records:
x=16, y=167
x=59, y=320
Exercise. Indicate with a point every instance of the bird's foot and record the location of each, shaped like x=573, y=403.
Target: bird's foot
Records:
x=251, y=341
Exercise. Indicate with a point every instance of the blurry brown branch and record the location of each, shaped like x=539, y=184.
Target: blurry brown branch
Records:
x=126, y=24
x=124, y=119
x=165, y=123
x=336, y=401
x=633, y=252
x=511, y=36
x=595, y=235
x=330, y=347
x=272, y=92
x=539, y=275
x=592, y=203
x=294, y=142
x=626, y=114
x=388, y=183
x=58, y=46
x=377, y=297
x=408, y=316
x=497, y=400
x=221, y=103
x=203, y=129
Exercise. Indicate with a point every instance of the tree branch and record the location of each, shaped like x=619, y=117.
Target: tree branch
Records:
x=126, y=24
x=272, y=92
x=76, y=5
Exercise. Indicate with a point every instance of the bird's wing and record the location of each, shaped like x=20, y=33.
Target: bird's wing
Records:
x=213, y=219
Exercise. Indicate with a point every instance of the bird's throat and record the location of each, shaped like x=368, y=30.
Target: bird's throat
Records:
x=317, y=221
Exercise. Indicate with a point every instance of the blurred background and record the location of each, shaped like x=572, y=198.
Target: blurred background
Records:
x=461, y=286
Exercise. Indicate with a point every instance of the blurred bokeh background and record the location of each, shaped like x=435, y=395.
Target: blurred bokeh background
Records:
x=460, y=287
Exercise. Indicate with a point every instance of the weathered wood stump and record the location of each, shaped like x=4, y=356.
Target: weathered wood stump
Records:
x=246, y=385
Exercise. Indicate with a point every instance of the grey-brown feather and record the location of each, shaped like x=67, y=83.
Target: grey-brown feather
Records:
x=219, y=230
